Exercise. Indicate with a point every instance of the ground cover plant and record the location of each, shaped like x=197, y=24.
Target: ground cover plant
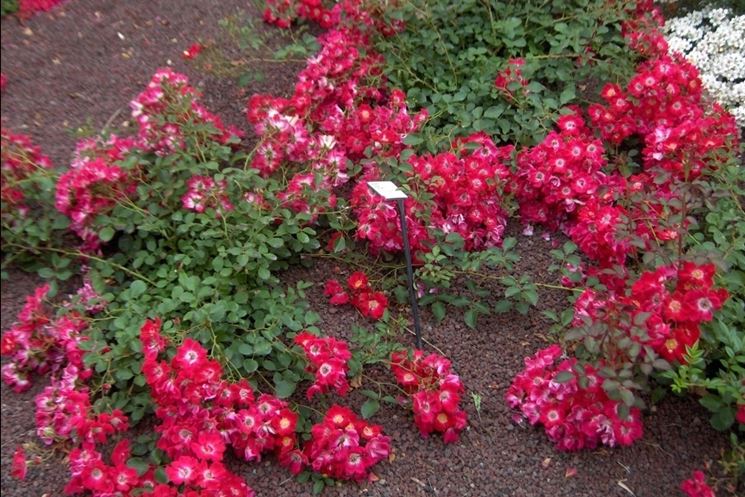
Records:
x=179, y=234
x=570, y=179
x=709, y=38
x=504, y=68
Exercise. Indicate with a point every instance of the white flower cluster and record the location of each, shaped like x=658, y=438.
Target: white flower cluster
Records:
x=714, y=40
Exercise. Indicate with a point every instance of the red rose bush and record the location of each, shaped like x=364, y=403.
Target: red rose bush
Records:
x=328, y=360
x=435, y=393
x=371, y=304
x=346, y=447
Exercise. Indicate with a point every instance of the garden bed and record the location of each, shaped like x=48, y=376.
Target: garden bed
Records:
x=494, y=457
x=78, y=67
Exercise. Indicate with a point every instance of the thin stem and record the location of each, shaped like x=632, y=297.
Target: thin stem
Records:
x=383, y=383
x=438, y=349
x=83, y=255
x=558, y=287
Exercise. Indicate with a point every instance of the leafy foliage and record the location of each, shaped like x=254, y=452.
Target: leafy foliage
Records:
x=8, y=7
x=30, y=222
x=212, y=274
x=217, y=272
x=717, y=364
x=181, y=225
x=450, y=53
x=450, y=276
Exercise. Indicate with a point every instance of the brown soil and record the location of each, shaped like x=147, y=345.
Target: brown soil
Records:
x=72, y=65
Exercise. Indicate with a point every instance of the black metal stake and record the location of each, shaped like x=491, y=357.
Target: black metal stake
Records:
x=410, y=273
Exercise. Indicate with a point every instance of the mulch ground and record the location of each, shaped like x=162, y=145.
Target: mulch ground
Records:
x=80, y=65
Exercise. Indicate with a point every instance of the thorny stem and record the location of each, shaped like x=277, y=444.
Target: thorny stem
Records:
x=378, y=384
x=558, y=287
x=310, y=408
x=336, y=257
x=499, y=278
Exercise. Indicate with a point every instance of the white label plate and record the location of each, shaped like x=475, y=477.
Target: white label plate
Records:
x=387, y=189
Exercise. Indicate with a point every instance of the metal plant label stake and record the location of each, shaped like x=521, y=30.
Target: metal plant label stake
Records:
x=390, y=191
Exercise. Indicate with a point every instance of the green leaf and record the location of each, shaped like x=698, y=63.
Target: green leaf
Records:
x=106, y=234
x=624, y=411
x=275, y=242
x=123, y=374
x=340, y=244
x=511, y=291
x=189, y=283
x=369, y=408
x=563, y=377
x=531, y=296
x=137, y=288
x=140, y=465
x=304, y=477
x=494, y=112
x=502, y=306
x=438, y=310
x=470, y=318
x=661, y=364
x=370, y=394
x=711, y=403
x=284, y=389
x=318, y=487
x=311, y=318
x=250, y=365
x=509, y=243
x=262, y=347
x=567, y=95
x=723, y=419
x=46, y=273
x=413, y=139
x=160, y=476
x=627, y=396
